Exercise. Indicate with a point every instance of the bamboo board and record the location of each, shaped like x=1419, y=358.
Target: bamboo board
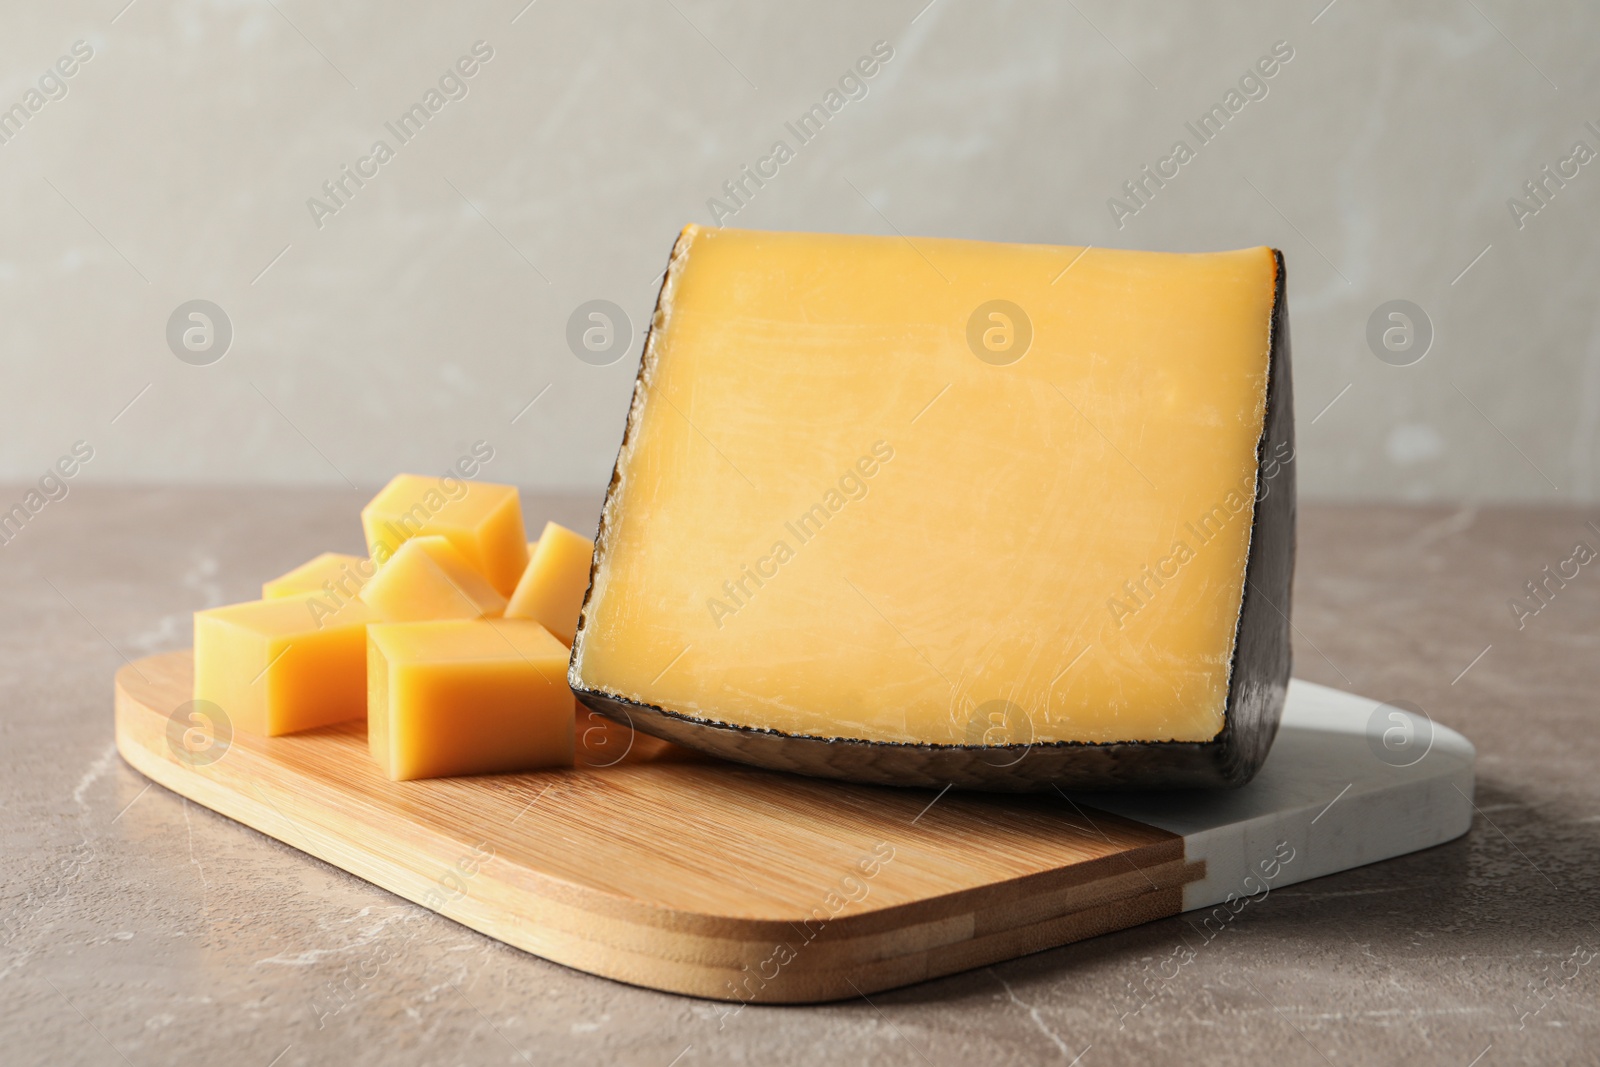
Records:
x=695, y=876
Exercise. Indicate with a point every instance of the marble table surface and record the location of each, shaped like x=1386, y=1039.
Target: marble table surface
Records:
x=143, y=929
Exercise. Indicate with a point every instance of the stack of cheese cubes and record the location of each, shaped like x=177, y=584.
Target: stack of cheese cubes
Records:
x=451, y=639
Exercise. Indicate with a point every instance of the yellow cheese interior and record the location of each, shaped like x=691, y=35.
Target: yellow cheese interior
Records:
x=835, y=519
x=279, y=666
x=467, y=697
x=551, y=590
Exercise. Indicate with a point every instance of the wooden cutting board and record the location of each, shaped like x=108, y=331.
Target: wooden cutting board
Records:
x=681, y=873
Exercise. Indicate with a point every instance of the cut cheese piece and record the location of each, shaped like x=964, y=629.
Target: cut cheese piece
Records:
x=935, y=511
x=551, y=590
x=278, y=666
x=483, y=520
x=332, y=574
x=467, y=697
x=429, y=578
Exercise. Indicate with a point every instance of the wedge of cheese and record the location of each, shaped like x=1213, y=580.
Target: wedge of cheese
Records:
x=928, y=511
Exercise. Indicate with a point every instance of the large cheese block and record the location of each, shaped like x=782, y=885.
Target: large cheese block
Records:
x=947, y=512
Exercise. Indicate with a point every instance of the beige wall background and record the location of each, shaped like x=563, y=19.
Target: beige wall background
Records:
x=431, y=309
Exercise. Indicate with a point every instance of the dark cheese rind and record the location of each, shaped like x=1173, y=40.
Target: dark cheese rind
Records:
x=1258, y=678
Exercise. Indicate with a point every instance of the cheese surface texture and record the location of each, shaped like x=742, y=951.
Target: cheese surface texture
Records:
x=936, y=491
x=467, y=697
x=483, y=520
x=279, y=666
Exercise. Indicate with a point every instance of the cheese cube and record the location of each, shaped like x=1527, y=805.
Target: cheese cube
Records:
x=346, y=574
x=467, y=697
x=278, y=666
x=551, y=590
x=483, y=520
x=938, y=496
x=429, y=578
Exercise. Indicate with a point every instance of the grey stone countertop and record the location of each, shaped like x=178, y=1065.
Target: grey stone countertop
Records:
x=143, y=929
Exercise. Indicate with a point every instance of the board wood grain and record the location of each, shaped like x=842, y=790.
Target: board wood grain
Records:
x=679, y=872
